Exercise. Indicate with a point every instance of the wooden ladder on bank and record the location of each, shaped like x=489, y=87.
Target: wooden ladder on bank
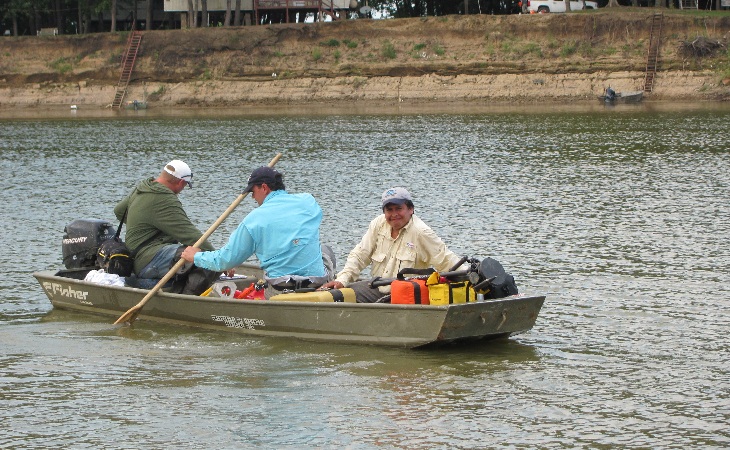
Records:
x=654, y=42
x=128, y=59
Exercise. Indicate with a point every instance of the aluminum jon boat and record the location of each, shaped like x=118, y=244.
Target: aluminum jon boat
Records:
x=409, y=326
x=622, y=97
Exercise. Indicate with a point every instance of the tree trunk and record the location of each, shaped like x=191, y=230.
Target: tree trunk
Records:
x=567, y=6
x=80, y=18
x=227, y=20
x=84, y=17
x=614, y=3
x=134, y=15
x=195, y=13
x=15, y=24
x=237, y=16
x=190, y=13
x=204, y=9
x=148, y=16
x=114, y=16
x=59, y=17
x=35, y=21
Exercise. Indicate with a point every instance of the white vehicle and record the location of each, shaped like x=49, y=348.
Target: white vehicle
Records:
x=558, y=6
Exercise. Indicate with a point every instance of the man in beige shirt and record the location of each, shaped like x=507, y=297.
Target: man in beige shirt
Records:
x=395, y=240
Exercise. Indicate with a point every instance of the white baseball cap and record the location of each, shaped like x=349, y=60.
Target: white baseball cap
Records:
x=180, y=170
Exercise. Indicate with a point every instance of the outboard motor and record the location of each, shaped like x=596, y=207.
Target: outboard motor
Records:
x=500, y=283
x=610, y=94
x=81, y=241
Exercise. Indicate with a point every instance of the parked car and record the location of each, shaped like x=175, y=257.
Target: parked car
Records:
x=558, y=6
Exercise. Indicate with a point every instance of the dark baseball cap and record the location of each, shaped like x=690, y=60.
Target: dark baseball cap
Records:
x=263, y=174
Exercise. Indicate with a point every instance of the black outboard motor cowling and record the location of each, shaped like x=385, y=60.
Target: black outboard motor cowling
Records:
x=502, y=284
x=81, y=241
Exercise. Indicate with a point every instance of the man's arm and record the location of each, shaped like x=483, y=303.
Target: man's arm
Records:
x=239, y=248
x=435, y=252
x=121, y=208
x=172, y=220
x=360, y=256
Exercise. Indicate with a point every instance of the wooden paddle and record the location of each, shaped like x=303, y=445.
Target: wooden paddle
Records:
x=132, y=313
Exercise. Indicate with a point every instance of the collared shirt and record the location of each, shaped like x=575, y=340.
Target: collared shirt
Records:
x=416, y=247
x=283, y=233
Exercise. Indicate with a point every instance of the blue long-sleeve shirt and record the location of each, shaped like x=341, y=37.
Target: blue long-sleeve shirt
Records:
x=283, y=233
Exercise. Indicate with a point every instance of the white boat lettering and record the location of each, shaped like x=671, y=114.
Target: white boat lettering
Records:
x=238, y=322
x=65, y=291
x=76, y=240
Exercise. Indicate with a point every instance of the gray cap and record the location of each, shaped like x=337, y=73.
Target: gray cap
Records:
x=396, y=195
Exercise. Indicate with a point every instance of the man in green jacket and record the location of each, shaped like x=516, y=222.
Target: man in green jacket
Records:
x=157, y=226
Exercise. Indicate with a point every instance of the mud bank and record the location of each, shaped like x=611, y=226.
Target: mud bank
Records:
x=523, y=59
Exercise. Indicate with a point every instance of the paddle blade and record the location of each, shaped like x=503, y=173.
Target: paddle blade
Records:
x=129, y=316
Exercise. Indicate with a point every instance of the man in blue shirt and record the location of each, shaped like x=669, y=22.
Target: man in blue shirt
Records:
x=283, y=232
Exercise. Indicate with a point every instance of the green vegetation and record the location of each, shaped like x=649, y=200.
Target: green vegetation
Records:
x=508, y=47
x=62, y=65
x=531, y=48
x=388, y=51
x=337, y=55
x=553, y=43
x=417, y=51
x=156, y=94
x=724, y=67
x=330, y=43
x=349, y=43
x=316, y=54
x=115, y=57
x=206, y=75
x=585, y=49
x=569, y=48
x=438, y=50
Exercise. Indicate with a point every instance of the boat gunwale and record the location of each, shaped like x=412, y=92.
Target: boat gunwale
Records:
x=226, y=300
x=438, y=320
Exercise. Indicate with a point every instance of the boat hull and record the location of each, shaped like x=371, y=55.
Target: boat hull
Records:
x=135, y=105
x=407, y=326
x=623, y=97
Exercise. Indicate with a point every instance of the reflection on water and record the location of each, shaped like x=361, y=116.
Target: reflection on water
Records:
x=620, y=216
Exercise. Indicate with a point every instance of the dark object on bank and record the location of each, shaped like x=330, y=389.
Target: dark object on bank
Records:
x=701, y=47
x=612, y=97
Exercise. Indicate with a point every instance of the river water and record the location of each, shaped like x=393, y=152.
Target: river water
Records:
x=620, y=216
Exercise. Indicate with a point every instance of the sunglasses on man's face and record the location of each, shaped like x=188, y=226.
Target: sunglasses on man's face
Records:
x=188, y=182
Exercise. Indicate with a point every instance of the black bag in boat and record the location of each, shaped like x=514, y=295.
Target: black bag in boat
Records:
x=502, y=285
x=81, y=241
x=114, y=257
x=191, y=279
